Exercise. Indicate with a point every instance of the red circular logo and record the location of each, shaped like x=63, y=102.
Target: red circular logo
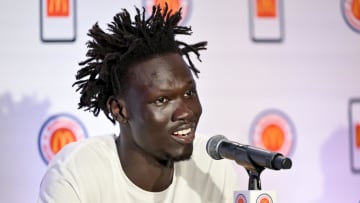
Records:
x=240, y=198
x=273, y=130
x=264, y=198
x=351, y=13
x=58, y=131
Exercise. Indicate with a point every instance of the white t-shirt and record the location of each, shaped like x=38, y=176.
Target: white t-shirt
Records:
x=90, y=172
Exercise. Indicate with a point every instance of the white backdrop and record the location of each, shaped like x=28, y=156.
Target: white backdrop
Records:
x=310, y=76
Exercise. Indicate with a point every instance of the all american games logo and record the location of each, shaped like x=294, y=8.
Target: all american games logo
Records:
x=254, y=196
x=264, y=198
x=351, y=13
x=56, y=132
x=174, y=5
x=273, y=130
x=240, y=198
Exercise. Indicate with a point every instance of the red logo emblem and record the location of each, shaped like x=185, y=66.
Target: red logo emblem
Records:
x=57, y=20
x=58, y=131
x=354, y=110
x=274, y=131
x=241, y=198
x=266, y=8
x=351, y=13
x=58, y=8
x=264, y=198
x=174, y=5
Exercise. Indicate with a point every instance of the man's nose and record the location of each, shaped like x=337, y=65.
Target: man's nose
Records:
x=182, y=111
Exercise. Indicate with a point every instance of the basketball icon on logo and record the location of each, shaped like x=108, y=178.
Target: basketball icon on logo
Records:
x=58, y=131
x=274, y=131
x=351, y=13
x=173, y=5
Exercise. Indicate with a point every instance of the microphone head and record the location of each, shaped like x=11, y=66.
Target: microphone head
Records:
x=281, y=162
x=287, y=163
x=212, y=146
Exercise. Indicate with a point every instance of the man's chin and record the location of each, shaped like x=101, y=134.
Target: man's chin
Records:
x=186, y=155
x=180, y=155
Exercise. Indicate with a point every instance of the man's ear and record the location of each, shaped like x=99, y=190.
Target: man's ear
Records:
x=117, y=108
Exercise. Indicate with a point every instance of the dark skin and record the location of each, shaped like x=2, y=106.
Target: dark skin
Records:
x=158, y=115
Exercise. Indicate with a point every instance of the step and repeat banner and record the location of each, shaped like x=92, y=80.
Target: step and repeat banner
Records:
x=282, y=75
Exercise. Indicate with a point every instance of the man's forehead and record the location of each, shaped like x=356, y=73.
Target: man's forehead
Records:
x=162, y=66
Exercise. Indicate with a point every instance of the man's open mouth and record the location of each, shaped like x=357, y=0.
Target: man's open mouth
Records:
x=184, y=136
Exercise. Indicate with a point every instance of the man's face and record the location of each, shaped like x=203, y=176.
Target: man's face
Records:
x=163, y=108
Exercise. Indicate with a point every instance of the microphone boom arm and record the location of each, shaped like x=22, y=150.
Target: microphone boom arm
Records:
x=240, y=153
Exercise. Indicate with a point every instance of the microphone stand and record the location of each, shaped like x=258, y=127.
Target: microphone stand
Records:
x=254, y=173
x=243, y=158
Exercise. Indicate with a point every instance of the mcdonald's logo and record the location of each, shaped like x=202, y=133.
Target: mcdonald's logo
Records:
x=60, y=138
x=273, y=130
x=355, y=8
x=57, y=20
x=240, y=198
x=254, y=196
x=173, y=5
x=266, y=8
x=273, y=137
x=264, y=198
x=266, y=20
x=354, y=110
x=58, y=131
x=58, y=8
x=351, y=13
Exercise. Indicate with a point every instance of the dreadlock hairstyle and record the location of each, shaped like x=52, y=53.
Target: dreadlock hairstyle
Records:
x=105, y=72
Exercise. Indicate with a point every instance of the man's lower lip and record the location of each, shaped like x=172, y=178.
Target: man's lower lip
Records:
x=184, y=139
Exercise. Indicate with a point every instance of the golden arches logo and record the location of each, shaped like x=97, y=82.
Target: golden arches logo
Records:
x=266, y=8
x=273, y=130
x=58, y=131
x=173, y=5
x=355, y=8
x=240, y=201
x=60, y=138
x=273, y=137
x=264, y=200
x=58, y=8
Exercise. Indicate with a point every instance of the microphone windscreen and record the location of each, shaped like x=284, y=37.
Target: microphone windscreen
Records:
x=212, y=146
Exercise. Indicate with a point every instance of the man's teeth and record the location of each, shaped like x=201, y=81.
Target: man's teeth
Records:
x=183, y=132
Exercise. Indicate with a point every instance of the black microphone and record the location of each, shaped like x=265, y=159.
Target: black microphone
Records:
x=219, y=147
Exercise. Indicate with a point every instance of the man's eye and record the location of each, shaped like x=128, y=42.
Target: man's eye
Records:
x=160, y=101
x=190, y=93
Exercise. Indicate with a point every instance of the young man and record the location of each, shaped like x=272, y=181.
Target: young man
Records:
x=137, y=76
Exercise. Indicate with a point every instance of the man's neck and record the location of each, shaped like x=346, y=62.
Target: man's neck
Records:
x=143, y=170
